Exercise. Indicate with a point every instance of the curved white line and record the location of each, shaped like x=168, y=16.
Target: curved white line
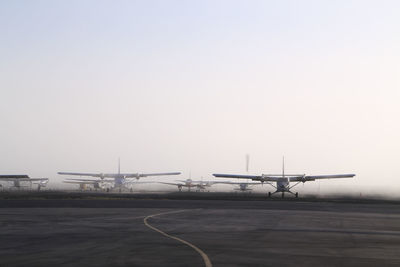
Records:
x=206, y=260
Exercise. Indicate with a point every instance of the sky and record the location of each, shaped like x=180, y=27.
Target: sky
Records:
x=194, y=86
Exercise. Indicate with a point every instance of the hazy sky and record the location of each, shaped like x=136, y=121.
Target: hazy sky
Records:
x=195, y=85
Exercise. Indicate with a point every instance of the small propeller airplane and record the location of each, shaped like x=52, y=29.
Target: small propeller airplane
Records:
x=243, y=186
x=189, y=183
x=83, y=183
x=119, y=179
x=19, y=179
x=283, y=180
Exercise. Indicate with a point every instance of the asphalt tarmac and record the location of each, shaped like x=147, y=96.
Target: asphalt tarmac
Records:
x=122, y=232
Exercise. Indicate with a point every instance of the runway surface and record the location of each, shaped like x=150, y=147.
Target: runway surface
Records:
x=228, y=232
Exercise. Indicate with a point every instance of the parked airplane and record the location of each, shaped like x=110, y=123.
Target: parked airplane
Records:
x=243, y=186
x=19, y=180
x=105, y=184
x=283, y=180
x=83, y=183
x=119, y=179
x=189, y=183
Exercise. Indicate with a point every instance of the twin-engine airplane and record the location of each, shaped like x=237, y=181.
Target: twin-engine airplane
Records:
x=19, y=179
x=283, y=180
x=119, y=179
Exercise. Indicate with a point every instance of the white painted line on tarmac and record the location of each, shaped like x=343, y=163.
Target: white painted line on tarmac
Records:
x=206, y=260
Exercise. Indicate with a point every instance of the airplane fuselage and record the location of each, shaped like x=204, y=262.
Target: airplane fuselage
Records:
x=119, y=180
x=243, y=187
x=282, y=185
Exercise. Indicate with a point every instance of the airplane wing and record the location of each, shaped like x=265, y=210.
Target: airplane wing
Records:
x=238, y=176
x=138, y=175
x=87, y=180
x=82, y=174
x=80, y=182
x=13, y=176
x=176, y=184
x=239, y=183
x=24, y=179
x=261, y=178
x=114, y=175
x=207, y=182
x=137, y=182
x=316, y=177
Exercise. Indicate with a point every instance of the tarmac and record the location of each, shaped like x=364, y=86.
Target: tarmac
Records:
x=168, y=231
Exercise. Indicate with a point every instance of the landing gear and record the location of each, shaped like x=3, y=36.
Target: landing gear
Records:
x=269, y=194
x=296, y=195
x=283, y=194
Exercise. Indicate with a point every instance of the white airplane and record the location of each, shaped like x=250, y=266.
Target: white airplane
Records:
x=242, y=186
x=105, y=184
x=189, y=183
x=83, y=183
x=18, y=180
x=119, y=179
x=283, y=180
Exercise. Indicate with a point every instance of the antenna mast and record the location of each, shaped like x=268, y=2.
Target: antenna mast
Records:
x=119, y=166
x=247, y=162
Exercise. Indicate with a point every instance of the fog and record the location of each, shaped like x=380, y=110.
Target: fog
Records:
x=194, y=87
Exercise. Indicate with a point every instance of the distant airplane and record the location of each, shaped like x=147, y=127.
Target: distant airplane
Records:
x=83, y=183
x=243, y=186
x=119, y=179
x=104, y=184
x=18, y=179
x=283, y=180
x=189, y=183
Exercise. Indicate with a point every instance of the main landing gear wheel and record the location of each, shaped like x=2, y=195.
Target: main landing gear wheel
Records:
x=297, y=194
x=269, y=194
x=283, y=195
